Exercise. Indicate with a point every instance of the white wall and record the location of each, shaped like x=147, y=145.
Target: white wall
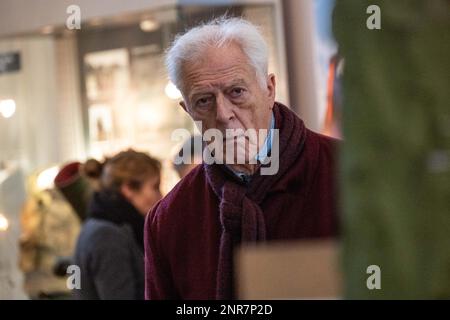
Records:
x=47, y=125
x=23, y=16
x=33, y=128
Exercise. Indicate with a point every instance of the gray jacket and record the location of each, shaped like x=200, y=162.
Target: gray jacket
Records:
x=110, y=261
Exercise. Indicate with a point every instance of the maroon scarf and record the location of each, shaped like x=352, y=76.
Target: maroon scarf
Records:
x=241, y=217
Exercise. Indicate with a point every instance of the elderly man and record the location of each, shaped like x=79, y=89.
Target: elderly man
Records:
x=221, y=71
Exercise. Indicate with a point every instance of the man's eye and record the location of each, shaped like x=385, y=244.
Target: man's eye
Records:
x=237, y=92
x=203, y=102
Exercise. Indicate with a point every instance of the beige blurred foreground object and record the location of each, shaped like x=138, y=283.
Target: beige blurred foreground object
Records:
x=49, y=230
x=289, y=270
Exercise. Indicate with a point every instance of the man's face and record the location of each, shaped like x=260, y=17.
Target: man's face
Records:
x=222, y=91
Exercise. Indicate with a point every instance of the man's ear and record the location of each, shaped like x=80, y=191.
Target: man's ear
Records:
x=271, y=85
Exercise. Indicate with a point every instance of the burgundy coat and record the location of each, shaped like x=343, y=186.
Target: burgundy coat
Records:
x=188, y=244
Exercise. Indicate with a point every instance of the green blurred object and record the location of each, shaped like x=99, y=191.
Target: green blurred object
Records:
x=395, y=161
x=75, y=188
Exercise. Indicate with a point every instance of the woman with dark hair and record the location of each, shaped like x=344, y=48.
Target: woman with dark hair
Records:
x=109, y=250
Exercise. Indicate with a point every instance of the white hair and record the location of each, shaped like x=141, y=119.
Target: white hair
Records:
x=217, y=33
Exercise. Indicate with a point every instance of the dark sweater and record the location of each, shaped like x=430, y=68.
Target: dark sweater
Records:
x=108, y=252
x=191, y=233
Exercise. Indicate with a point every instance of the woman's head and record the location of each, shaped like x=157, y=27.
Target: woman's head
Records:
x=136, y=176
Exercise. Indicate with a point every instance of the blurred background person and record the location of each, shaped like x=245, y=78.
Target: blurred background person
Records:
x=92, y=170
x=77, y=182
x=109, y=250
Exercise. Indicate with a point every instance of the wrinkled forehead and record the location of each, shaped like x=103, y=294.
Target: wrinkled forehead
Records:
x=216, y=67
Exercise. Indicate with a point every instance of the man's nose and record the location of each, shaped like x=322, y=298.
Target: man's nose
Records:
x=224, y=110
